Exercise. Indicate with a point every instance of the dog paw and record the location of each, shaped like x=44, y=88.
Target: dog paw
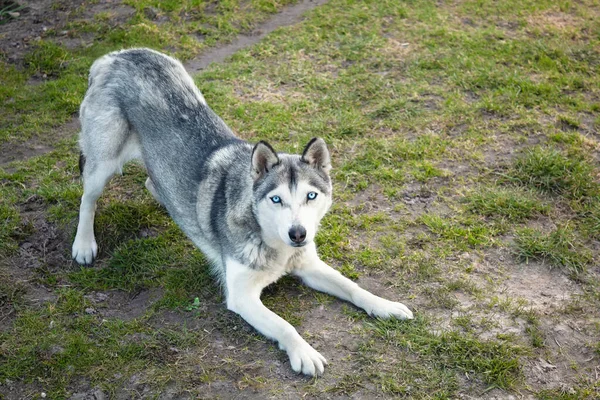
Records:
x=84, y=251
x=383, y=308
x=305, y=359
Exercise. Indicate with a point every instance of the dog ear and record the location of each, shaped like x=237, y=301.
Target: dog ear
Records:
x=317, y=155
x=263, y=159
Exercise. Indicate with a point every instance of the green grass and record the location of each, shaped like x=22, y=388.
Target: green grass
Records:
x=495, y=362
x=11, y=219
x=548, y=170
x=183, y=28
x=463, y=147
x=46, y=58
x=590, y=219
x=505, y=203
x=62, y=342
x=559, y=247
x=464, y=232
x=11, y=294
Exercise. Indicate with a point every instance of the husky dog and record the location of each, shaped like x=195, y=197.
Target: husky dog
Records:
x=252, y=211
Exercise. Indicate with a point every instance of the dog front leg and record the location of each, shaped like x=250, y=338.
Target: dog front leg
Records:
x=244, y=286
x=320, y=276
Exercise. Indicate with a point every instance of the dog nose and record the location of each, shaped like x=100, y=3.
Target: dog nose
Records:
x=297, y=234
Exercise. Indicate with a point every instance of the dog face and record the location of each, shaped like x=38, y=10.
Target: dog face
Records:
x=291, y=193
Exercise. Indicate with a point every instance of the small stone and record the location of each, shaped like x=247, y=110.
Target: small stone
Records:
x=546, y=366
x=90, y=311
x=14, y=14
x=97, y=297
x=99, y=395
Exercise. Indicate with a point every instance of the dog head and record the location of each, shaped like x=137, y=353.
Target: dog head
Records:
x=292, y=193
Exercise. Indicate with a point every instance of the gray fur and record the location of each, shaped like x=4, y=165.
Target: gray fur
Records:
x=253, y=212
x=200, y=170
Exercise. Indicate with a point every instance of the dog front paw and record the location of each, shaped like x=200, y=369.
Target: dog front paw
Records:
x=383, y=308
x=84, y=251
x=304, y=358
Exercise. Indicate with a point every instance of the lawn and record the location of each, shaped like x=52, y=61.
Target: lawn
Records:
x=465, y=147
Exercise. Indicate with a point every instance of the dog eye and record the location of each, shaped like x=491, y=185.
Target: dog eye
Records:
x=276, y=199
x=311, y=195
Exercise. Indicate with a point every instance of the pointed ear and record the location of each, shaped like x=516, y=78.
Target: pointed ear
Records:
x=317, y=155
x=263, y=159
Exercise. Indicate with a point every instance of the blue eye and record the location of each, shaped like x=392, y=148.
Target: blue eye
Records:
x=276, y=199
x=311, y=195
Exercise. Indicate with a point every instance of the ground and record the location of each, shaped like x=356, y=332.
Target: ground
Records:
x=464, y=138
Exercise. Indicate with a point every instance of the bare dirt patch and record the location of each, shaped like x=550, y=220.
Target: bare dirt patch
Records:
x=41, y=250
x=47, y=245
x=123, y=305
x=553, y=20
x=40, y=19
x=515, y=290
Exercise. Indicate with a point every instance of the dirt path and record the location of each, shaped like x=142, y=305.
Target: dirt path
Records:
x=444, y=122
x=10, y=152
x=288, y=16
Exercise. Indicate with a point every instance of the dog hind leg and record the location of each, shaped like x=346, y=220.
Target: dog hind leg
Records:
x=95, y=177
x=106, y=143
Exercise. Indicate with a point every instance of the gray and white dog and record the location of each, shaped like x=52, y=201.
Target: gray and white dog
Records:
x=253, y=212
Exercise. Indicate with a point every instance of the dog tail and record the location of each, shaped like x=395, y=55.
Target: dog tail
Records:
x=81, y=162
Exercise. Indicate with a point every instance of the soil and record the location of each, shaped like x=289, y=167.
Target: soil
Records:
x=288, y=16
x=44, y=248
x=38, y=17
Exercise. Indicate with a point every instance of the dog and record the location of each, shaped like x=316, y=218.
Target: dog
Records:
x=252, y=211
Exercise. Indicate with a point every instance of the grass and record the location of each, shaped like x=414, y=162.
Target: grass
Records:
x=11, y=219
x=464, y=232
x=496, y=363
x=463, y=147
x=548, y=170
x=590, y=217
x=7, y=11
x=560, y=247
x=183, y=28
x=511, y=204
x=60, y=342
